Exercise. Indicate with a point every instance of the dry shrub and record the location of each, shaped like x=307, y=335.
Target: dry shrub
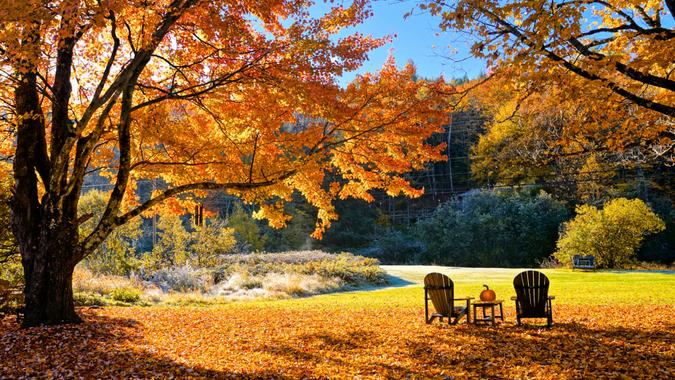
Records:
x=299, y=284
x=153, y=294
x=84, y=281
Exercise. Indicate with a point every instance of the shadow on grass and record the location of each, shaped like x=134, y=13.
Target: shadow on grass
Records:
x=568, y=349
x=99, y=348
x=337, y=350
x=390, y=282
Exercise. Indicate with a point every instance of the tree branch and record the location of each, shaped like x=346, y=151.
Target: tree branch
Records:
x=99, y=235
x=614, y=87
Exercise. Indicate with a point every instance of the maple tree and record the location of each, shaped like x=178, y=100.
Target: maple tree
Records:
x=624, y=46
x=607, y=64
x=238, y=96
x=574, y=147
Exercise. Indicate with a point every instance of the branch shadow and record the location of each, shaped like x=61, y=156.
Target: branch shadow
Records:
x=101, y=348
x=391, y=281
x=326, y=348
x=578, y=350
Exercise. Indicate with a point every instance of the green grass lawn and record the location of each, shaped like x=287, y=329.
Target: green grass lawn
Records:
x=569, y=287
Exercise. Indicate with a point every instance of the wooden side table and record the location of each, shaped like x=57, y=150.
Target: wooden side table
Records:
x=487, y=305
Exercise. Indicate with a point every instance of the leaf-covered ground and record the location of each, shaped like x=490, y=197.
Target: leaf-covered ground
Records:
x=353, y=335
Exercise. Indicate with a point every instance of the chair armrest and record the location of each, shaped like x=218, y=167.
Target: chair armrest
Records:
x=514, y=298
x=463, y=299
x=551, y=297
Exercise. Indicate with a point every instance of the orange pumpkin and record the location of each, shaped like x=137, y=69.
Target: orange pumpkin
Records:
x=487, y=294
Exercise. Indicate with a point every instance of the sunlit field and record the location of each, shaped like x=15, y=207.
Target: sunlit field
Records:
x=606, y=325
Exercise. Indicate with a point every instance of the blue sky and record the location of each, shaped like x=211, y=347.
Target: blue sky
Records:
x=417, y=38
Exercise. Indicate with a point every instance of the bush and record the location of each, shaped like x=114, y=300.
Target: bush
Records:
x=492, y=228
x=89, y=299
x=245, y=276
x=181, y=279
x=353, y=270
x=11, y=270
x=396, y=247
x=612, y=234
x=85, y=281
x=178, y=246
x=297, y=284
x=128, y=295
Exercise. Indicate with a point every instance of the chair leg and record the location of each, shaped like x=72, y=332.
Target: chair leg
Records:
x=474, y=314
x=426, y=308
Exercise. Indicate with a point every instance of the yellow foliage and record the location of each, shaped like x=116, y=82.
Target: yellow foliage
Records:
x=612, y=234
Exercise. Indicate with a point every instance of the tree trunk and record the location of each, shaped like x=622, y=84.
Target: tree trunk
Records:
x=48, y=271
x=45, y=226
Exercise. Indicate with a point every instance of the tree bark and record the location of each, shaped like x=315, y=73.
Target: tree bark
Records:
x=49, y=290
x=45, y=231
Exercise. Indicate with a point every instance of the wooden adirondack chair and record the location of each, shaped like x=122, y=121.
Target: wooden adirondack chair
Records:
x=441, y=291
x=532, y=299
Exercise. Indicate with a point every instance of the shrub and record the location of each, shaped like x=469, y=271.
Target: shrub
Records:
x=11, y=270
x=492, y=228
x=246, y=231
x=172, y=248
x=297, y=284
x=181, y=279
x=178, y=246
x=293, y=273
x=85, y=281
x=396, y=247
x=612, y=234
x=352, y=269
x=152, y=294
x=89, y=299
x=262, y=275
x=126, y=294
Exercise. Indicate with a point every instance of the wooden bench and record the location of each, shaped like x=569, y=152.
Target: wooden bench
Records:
x=11, y=299
x=583, y=262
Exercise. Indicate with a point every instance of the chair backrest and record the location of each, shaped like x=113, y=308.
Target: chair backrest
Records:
x=441, y=291
x=532, y=292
